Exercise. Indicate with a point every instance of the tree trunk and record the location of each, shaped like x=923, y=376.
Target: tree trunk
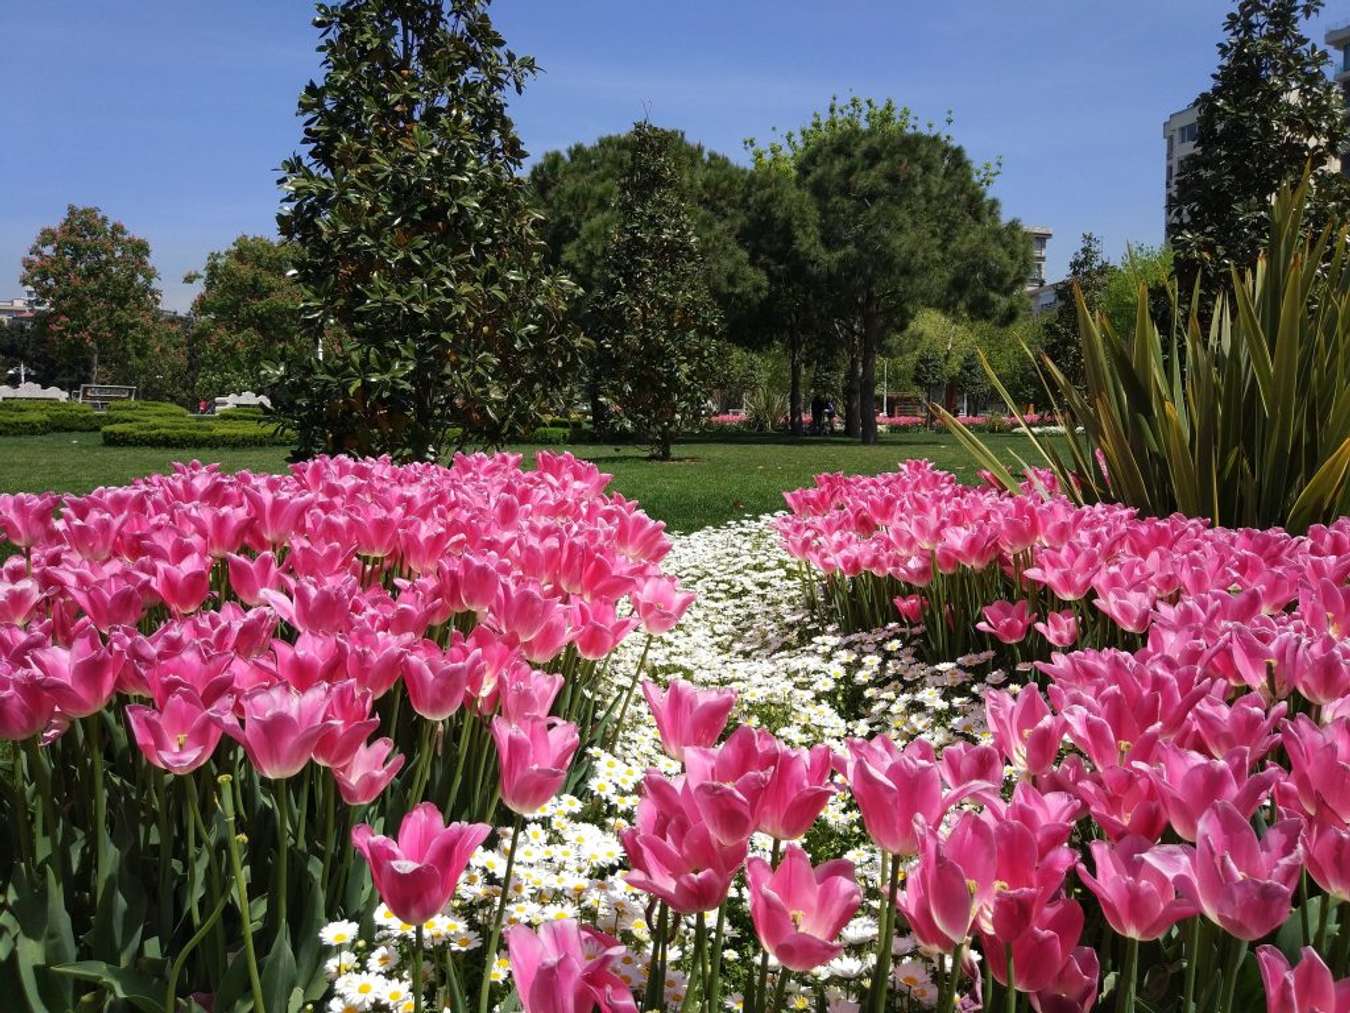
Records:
x=93, y=367
x=867, y=379
x=851, y=394
x=795, y=385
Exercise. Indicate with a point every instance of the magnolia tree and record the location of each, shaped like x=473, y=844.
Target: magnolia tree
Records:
x=657, y=319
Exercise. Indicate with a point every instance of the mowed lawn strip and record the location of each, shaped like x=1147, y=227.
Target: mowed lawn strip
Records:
x=711, y=480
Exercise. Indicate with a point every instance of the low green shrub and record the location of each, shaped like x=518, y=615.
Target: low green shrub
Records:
x=129, y=411
x=61, y=416
x=24, y=424
x=550, y=435
x=192, y=434
x=241, y=412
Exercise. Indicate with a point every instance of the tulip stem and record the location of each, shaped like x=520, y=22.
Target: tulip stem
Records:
x=417, y=969
x=628, y=696
x=452, y=974
x=881, y=977
x=245, y=916
x=485, y=992
x=330, y=843
x=762, y=992
x=1131, y=974
x=947, y=1001
x=715, y=976
x=1192, y=965
x=655, y=970
x=1342, y=961
x=1323, y=920
x=987, y=997
x=283, y=849
x=1238, y=953
x=696, y=968
x=1010, y=1000
x=423, y=770
x=102, y=855
x=171, y=989
x=780, y=991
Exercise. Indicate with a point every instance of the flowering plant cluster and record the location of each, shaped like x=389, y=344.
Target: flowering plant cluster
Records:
x=741, y=810
x=199, y=656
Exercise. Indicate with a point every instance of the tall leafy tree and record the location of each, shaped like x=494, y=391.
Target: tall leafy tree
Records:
x=1270, y=113
x=657, y=321
x=1088, y=271
x=578, y=193
x=99, y=304
x=415, y=239
x=247, y=312
x=906, y=222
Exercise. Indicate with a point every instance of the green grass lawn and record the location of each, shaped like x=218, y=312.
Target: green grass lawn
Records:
x=711, y=480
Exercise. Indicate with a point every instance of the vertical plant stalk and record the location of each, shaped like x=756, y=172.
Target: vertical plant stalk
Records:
x=1192, y=964
x=881, y=977
x=103, y=858
x=1009, y=1000
x=417, y=970
x=1131, y=974
x=628, y=695
x=656, y=971
x=234, y=840
x=1237, y=955
x=490, y=952
x=762, y=992
x=283, y=801
x=715, y=973
x=696, y=979
x=947, y=1000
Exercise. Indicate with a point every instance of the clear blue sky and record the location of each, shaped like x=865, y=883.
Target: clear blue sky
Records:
x=172, y=115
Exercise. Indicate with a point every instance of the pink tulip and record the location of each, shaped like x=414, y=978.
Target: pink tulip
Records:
x=417, y=874
x=1247, y=723
x=1326, y=849
x=686, y=716
x=349, y=710
x=1319, y=766
x=673, y=855
x=1074, y=989
x=963, y=765
x=1132, y=611
x=910, y=607
x=1040, y=951
x=599, y=629
x=728, y=783
x=1242, y=883
x=892, y=791
x=249, y=578
x=183, y=587
x=1059, y=628
x=941, y=897
x=17, y=600
x=368, y=772
x=798, y=911
x=797, y=792
x=25, y=707
x=436, y=679
x=534, y=758
x=1308, y=988
x=527, y=694
x=1124, y=801
x=659, y=603
x=1007, y=621
x=180, y=736
x=1138, y=899
x=111, y=605
x=281, y=727
x=1024, y=729
x=564, y=967
x=79, y=679
x=1188, y=783
x=26, y=519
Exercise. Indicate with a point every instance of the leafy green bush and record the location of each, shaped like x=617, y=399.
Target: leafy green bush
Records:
x=1245, y=422
x=192, y=434
x=24, y=424
x=550, y=435
x=241, y=412
x=128, y=411
x=60, y=416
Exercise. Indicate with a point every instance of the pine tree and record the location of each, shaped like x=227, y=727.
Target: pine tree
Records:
x=657, y=318
x=415, y=240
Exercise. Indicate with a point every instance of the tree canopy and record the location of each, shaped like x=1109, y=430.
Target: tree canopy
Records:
x=415, y=239
x=1270, y=115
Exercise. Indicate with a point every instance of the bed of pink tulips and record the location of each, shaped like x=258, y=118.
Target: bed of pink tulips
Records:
x=244, y=705
x=208, y=680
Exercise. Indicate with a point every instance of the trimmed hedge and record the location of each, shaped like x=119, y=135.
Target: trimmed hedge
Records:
x=241, y=412
x=134, y=411
x=189, y=434
x=551, y=435
x=28, y=418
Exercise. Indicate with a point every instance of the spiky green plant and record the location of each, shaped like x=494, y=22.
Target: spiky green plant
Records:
x=1246, y=422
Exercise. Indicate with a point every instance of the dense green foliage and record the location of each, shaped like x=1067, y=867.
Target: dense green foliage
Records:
x=195, y=434
x=414, y=240
x=904, y=221
x=656, y=321
x=1247, y=421
x=248, y=311
x=96, y=286
x=134, y=411
x=19, y=417
x=1270, y=113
